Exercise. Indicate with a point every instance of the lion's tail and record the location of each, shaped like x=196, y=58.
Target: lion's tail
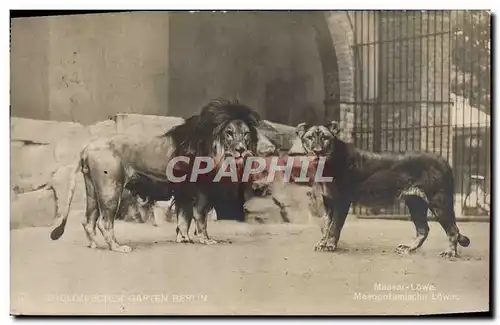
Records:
x=62, y=219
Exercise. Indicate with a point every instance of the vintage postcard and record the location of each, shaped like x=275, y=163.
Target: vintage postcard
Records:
x=250, y=163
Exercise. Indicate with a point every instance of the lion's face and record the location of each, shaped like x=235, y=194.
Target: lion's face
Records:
x=318, y=140
x=237, y=139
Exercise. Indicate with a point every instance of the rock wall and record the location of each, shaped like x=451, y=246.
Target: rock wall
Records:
x=43, y=154
x=33, y=209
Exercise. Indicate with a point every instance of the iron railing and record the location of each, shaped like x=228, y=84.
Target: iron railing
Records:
x=422, y=83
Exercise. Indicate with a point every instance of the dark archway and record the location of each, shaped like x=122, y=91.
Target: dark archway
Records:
x=329, y=64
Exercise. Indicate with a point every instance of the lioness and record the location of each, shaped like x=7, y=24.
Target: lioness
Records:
x=423, y=180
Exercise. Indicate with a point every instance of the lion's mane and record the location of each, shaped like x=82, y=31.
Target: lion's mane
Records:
x=201, y=134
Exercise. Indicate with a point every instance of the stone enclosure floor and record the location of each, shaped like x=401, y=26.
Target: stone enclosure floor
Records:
x=257, y=269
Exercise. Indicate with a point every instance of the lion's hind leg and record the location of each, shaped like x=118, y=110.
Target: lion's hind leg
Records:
x=184, y=211
x=92, y=211
x=145, y=210
x=442, y=207
x=109, y=208
x=418, y=211
x=109, y=179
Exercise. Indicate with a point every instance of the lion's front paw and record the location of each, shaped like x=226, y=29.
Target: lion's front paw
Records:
x=183, y=240
x=325, y=245
x=319, y=244
x=121, y=249
x=403, y=250
x=449, y=254
x=208, y=241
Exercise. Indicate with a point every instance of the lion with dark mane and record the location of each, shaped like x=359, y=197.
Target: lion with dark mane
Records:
x=223, y=128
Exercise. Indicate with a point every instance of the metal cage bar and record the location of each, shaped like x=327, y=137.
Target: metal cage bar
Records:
x=412, y=92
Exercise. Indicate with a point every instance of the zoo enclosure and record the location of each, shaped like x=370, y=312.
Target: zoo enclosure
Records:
x=422, y=83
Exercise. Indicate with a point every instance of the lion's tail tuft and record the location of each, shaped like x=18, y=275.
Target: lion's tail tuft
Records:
x=59, y=230
x=464, y=241
x=61, y=220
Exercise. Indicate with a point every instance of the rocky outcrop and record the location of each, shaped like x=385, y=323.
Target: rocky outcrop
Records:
x=33, y=209
x=39, y=148
x=145, y=125
x=43, y=154
x=288, y=204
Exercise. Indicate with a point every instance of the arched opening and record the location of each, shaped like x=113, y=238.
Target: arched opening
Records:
x=329, y=64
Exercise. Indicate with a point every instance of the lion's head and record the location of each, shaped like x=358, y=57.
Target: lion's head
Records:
x=318, y=140
x=222, y=128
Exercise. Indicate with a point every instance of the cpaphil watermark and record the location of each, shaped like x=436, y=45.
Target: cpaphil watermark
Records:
x=300, y=169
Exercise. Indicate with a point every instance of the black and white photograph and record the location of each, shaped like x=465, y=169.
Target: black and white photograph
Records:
x=250, y=163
